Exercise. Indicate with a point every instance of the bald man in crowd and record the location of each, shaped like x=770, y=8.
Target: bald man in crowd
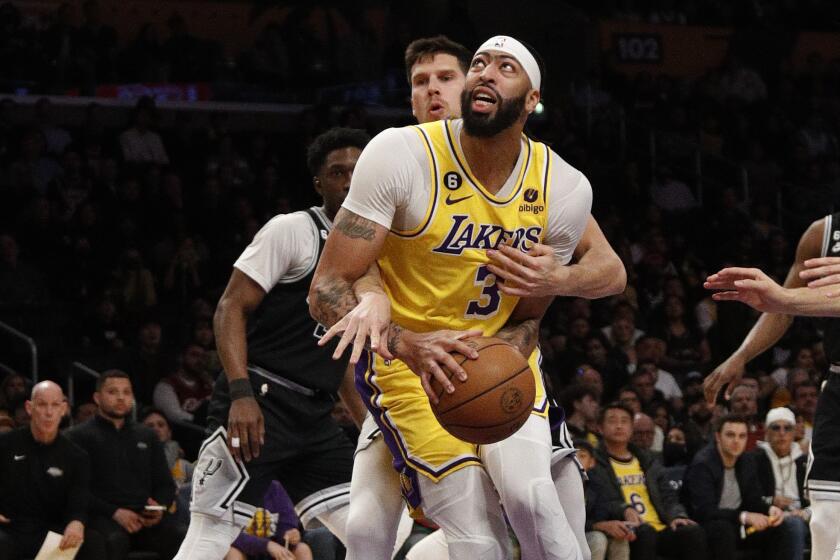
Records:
x=44, y=483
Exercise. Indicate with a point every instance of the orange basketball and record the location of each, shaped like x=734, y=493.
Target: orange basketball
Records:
x=496, y=398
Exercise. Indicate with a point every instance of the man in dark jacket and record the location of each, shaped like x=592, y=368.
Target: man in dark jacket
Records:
x=44, y=483
x=131, y=485
x=723, y=493
x=634, y=490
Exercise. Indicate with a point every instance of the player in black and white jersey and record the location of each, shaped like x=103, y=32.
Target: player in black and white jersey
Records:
x=271, y=405
x=808, y=290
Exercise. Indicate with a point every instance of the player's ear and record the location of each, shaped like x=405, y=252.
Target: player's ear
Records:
x=531, y=101
x=316, y=184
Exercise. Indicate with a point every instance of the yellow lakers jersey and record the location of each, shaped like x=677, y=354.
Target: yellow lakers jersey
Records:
x=631, y=478
x=436, y=275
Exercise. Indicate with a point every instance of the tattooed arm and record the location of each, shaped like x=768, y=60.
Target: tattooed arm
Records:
x=351, y=248
x=522, y=329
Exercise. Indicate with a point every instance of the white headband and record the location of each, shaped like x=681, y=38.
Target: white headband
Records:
x=517, y=50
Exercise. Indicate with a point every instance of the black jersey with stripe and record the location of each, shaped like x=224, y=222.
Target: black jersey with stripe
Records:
x=282, y=336
x=831, y=248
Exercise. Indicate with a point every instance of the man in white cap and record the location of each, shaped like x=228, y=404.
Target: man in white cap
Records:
x=781, y=469
x=433, y=205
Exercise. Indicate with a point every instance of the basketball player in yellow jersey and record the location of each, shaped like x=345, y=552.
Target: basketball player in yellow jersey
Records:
x=435, y=69
x=513, y=189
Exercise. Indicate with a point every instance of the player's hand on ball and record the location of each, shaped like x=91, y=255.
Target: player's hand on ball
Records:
x=532, y=274
x=370, y=319
x=824, y=271
x=428, y=355
x=246, y=429
x=747, y=285
x=728, y=373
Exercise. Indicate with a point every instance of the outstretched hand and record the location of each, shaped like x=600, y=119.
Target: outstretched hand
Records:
x=750, y=286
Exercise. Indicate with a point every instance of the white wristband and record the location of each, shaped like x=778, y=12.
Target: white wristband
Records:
x=743, y=518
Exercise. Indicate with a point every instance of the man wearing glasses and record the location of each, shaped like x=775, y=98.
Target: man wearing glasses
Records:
x=781, y=466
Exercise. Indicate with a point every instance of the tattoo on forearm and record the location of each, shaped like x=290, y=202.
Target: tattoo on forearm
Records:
x=523, y=335
x=394, y=339
x=334, y=300
x=355, y=227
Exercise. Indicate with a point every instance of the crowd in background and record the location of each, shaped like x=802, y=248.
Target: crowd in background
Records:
x=128, y=234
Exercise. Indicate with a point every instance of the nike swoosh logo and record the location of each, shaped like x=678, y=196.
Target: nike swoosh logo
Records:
x=20, y=457
x=450, y=200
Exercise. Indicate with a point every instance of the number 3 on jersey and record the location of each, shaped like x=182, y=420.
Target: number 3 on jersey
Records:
x=488, y=302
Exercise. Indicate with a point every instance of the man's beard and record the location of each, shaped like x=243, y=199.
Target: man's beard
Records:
x=484, y=126
x=113, y=414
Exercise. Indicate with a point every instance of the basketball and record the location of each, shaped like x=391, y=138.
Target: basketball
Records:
x=496, y=398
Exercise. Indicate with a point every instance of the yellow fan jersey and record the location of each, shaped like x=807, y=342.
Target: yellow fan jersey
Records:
x=631, y=478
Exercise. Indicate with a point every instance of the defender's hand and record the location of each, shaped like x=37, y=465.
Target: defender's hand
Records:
x=750, y=286
x=371, y=318
x=533, y=274
x=245, y=427
x=824, y=271
x=728, y=373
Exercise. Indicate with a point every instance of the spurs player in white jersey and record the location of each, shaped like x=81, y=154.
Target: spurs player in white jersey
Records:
x=431, y=78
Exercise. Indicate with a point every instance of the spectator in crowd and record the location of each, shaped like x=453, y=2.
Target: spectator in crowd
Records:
x=607, y=362
x=139, y=143
x=652, y=350
x=630, y=481
x=629, y=397
x=744, y=403
x=643, y=382
x=7, y=423
x=183, y=395
x=145, y=360
x=805, y=397
x=610, y=540
x=131, y=485
x=84, y=412
x=687, y=348
x=781, y=467
x=180, y=468
x=273, y=531
x=723, y=493
x=802, y=357
x=661, y=415
x=12, y=389
x=590, y=377
x=699, y=428
x=581, y=405
x=44, y=483
x=622, y=335
x=647, y=436
x=783, y=395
